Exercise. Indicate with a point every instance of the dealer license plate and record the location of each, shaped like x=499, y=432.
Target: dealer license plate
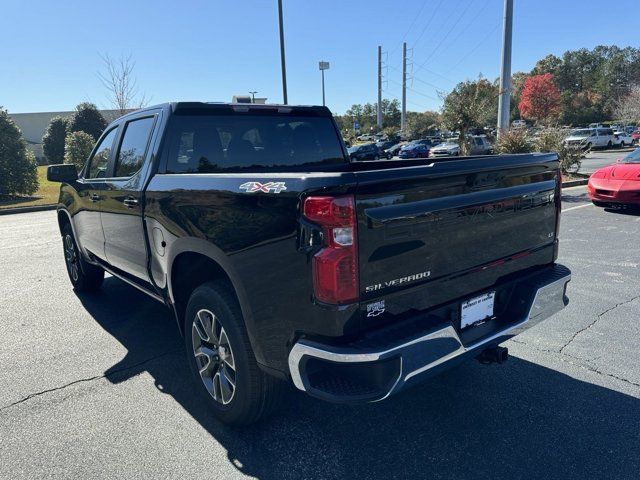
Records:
x=477, y=309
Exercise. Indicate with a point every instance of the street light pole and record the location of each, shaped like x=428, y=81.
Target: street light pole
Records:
x=253, y=97
x=282, y=60
x=323, y=66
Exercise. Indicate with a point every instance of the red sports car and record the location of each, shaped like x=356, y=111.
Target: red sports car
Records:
x=617, y=184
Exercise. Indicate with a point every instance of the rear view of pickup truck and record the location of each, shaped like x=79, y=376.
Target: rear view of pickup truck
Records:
x=282, y=260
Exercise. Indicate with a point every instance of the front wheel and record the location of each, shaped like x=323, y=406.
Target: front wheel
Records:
x=221, y=358
x=609, y=144
x=84, y=276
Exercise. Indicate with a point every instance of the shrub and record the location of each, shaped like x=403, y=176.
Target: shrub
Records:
x=77, y=148
x=552, y=140
x=53, y=140
x=513, y=141
x=87, y=119
x=18, y=174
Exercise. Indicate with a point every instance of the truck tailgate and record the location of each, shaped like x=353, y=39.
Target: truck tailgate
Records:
x=432, y=234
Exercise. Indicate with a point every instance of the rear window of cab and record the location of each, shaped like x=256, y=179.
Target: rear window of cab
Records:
x=248, y=143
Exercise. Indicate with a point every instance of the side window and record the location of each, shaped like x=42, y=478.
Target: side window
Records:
x=133, y=147
x=478, y=141
x=98, y=163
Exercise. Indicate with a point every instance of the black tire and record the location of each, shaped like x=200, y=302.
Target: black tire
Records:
x=622, y=144
x=609, y=144
x=599, y=204
x=84, y=276
x=255, y=394
x=589, y=146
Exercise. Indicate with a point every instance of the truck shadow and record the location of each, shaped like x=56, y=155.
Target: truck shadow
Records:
x=520, y=420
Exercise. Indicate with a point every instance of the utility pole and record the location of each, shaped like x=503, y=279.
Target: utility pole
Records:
x=282, y=62
x=403, y=117
x=504, y=101
x=379, y=87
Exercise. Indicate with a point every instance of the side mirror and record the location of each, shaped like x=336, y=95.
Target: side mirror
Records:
x=63, y=173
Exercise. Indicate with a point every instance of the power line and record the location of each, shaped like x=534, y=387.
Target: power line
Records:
x=433, y=14
x=444, y=38
x=415, y=19
x=415, y=91
x=473, y=50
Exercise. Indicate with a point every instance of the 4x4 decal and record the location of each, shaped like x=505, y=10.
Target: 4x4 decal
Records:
x=252, y=187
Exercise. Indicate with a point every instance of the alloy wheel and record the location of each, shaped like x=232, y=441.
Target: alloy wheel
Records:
x=71, y=257
x=214, y=356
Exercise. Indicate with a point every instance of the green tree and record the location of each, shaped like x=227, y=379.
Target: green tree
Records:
x=18, y=173
x=53, y=140
x=87, y=118
x=421, y=124
x=470, y=104
x=77, y=148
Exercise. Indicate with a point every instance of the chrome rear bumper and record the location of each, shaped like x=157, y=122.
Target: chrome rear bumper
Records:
x=356, y=373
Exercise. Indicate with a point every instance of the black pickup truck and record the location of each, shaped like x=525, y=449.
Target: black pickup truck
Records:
x=282, y=260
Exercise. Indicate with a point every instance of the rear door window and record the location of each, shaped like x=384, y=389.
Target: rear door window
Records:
x=247, y=142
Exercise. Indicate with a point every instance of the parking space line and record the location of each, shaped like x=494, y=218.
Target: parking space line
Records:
x=579, y=206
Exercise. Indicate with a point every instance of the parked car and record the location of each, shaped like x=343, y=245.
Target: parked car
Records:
x=480, y=145
x=424, y=141
x=591, y=138
x=635, y=137
x=367, y=151
x=622, y=139
x=449, y=148
x=617, y=185
x=394, y=150
x=282, y=261
x=519, y=124
x=414, y=150
x=367, y=137
x=384, y=145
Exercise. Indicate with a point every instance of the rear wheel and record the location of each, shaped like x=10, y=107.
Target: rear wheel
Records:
x=609, y=144
x=599, y=204
x=84, y=276
x=221, y=358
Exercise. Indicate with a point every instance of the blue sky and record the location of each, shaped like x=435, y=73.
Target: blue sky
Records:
x=211, y=50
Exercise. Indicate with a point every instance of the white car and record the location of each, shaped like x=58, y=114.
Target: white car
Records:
x=366, y=137
x=449, y=148
x=591, y=138
x=622, y=139
x=478, y=145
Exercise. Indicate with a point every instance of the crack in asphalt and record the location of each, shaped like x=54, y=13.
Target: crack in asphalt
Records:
x=88, y=379
x=598, y=317
x=579, y=363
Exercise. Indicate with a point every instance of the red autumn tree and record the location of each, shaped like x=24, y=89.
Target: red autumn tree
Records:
x=540, y=98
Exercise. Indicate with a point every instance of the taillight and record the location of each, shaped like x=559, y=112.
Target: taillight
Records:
x=335, y=266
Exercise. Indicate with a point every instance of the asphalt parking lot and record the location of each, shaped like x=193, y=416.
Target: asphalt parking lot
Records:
x=601, y=158
x=97, y=386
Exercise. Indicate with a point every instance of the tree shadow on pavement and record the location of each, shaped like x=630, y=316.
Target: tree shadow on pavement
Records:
x=519, y=420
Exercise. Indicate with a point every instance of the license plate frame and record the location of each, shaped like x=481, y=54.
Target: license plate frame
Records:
x=477, y=310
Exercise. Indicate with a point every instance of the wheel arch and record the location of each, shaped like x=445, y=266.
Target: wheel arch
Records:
x=194, y=261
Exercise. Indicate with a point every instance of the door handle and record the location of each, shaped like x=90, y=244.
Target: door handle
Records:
x=130, y=202
x=94, y=197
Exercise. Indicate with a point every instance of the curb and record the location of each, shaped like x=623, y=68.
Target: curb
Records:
x=36, y=208
x=575, y=183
